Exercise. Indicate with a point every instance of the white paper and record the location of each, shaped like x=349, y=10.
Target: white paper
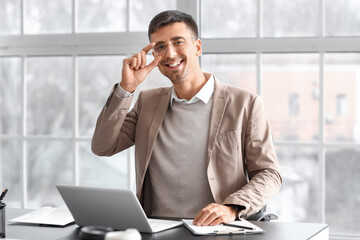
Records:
x=46, y=215
x=222, y=229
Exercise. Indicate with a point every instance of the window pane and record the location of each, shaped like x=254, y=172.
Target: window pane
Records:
x=10, y=171
x=299, y=196
x=142, y=11
x=97, y=75
x=50, y=96
x=44, y=16
x=342, y=97
x=342, y=17
x=10, y=16
x=10, y=95
x=343, y=191
x=296, y=18
x=285, y=75
x=234, y=69
x=50, y=162
x=229, y=18
x=102, y=171
x=101, y=15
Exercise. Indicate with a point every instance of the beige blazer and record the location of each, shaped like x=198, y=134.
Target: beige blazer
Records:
x=240, y=138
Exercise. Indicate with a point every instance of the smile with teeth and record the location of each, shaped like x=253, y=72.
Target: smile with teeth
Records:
x=174, y=64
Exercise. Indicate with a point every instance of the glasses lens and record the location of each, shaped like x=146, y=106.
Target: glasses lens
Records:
x=160, y=49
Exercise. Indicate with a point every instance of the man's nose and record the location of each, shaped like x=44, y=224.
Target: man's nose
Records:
x=170, y=51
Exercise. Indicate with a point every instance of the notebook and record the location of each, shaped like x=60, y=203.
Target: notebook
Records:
x=47, y=216
x=115, y=208
x=238, y=227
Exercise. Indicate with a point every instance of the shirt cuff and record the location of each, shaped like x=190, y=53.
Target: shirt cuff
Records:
x=121, y=93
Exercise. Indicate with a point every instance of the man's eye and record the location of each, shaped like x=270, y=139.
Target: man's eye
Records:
x=177, y=43
x=159, y=48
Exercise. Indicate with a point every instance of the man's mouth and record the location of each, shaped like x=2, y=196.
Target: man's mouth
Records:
x=174, y=65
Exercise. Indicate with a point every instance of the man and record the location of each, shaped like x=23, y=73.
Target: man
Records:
x=196, y=143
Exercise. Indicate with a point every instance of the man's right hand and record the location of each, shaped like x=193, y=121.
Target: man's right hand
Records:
x=135, y=70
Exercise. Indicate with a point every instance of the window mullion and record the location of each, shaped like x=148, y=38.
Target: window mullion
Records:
x=191, y=7
x=24, y=133
x=22, y=11
x=127, y=15
x=74, y=17
x=75, y=119
x=322, y=135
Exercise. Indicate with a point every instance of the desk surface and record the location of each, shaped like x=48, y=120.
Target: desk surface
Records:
x=273, y=230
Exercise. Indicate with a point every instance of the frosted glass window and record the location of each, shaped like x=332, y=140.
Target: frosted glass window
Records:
x=235, y=69
x=95, y=171
x=342, y=191
x=342, y=18
x=10, y=95
x=285, y=74
x=294, y=104
x=44, y=16
x=97, y=75
x=142, y=11
x=10, y=171
x=101, y=16
x=299, y=197
x=296, y=18
x=10, y=16
x=342, y=97
x=228, y=18
x=50, y=162
x=50, y=96
x=341, y=105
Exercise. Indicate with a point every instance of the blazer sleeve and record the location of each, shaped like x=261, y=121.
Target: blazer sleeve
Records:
x=261, y=162
x=115, y=126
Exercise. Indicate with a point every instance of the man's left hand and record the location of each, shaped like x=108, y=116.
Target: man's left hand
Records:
x=214, y=214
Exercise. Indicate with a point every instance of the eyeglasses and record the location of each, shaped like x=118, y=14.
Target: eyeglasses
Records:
x=161, y=48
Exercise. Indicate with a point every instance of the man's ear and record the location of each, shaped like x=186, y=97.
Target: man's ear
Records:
x=198, y=47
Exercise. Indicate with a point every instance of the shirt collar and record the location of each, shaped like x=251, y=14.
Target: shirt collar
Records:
x=204, y=94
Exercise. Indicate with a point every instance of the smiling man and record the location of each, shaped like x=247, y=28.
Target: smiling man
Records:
x=203, y=149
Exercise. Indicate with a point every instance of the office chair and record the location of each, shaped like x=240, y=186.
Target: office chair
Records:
x=263, y=216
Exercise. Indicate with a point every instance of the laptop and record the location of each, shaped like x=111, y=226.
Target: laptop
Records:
x=115, y=208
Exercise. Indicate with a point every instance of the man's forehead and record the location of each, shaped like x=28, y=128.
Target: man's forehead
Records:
x=171, y=31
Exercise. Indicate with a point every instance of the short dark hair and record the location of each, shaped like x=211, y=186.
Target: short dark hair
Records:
x=172, y=16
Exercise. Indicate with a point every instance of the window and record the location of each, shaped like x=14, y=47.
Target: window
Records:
x=282, y=76
x=341, y=105
x=56, y=76
x=294, y=104
x=10, y=14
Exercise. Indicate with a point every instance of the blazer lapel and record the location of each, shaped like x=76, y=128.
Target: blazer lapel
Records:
x=217, y=113
x=156, y=122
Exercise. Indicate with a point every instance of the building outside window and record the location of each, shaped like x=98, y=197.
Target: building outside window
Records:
x=294, y=104
x=341, y=105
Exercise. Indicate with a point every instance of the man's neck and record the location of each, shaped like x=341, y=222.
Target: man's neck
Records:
x=189, y=88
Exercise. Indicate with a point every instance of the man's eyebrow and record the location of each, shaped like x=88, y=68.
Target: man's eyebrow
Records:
x=177, y=38
x=173, y=39
x=159, y=42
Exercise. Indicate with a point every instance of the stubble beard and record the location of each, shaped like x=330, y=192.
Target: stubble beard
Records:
x=176, y=77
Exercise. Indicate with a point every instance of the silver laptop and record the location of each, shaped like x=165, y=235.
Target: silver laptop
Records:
x=115, y=208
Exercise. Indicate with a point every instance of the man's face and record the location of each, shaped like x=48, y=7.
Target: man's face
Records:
x=179, y=50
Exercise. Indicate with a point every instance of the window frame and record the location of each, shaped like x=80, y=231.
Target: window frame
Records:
x=127, y=43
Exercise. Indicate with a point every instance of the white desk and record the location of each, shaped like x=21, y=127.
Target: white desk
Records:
x=273, y=231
